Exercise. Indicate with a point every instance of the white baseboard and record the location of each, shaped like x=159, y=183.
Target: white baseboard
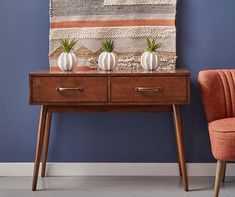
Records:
x=113, y=169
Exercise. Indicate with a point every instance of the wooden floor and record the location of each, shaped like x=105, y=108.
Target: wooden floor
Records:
x=113, y=187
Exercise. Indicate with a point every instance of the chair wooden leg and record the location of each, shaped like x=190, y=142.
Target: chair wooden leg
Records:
x=180, y=144
x=219, y=176
x=46, y=142
x=41, y=130
x=224, y=174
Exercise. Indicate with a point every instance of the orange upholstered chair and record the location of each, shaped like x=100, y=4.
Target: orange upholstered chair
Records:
x=218, y=93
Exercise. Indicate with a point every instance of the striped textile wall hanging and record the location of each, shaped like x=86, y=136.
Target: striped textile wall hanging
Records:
x=128, y=22
x=138, y=2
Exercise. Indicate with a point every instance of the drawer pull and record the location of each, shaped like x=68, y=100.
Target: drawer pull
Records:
x=80, y=89
x=152, y=89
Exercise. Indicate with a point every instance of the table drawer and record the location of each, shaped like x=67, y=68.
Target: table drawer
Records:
x=68, y=89
x=160, y=89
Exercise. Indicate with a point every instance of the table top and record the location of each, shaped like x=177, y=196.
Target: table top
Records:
x=86, y=71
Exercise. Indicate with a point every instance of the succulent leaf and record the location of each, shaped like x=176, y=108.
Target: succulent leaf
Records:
x=108, y=46
x=68, y=45
x=152, y=45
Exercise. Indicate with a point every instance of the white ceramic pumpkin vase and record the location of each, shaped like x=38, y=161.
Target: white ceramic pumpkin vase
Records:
x=67, y=61
x=149, y=61
x=108, y=61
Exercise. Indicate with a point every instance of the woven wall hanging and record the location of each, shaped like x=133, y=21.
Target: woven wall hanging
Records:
x=128, y=22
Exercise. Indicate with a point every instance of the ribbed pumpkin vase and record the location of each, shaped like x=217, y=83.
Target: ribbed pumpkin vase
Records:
x=149, y=61
x=67, y=61
x=108, y=61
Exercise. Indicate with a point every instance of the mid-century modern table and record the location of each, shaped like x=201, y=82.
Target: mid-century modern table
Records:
x=84, y=90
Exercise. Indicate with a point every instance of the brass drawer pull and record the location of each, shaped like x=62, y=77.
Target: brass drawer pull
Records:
x=80, y=89
x=149, y=89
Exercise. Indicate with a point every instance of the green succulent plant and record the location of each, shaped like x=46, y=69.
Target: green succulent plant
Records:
x=68, y=45
x=152, y=45
x=108, y=46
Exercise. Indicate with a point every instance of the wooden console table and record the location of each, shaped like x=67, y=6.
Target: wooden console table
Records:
x=99, y=91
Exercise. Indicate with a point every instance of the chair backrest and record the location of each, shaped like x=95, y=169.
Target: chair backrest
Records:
x=218, y=93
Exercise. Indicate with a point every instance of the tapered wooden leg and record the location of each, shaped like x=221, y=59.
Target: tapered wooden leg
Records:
x=219, y=176
x=224, y=174
x=46, y=142
x=41, y=130
x=180, y=144
x=180, y=170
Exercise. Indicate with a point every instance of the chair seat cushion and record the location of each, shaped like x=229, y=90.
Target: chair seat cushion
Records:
x=222, y=136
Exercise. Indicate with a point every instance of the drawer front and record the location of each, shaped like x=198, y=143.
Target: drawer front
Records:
x=161, y=89
x=68, y=89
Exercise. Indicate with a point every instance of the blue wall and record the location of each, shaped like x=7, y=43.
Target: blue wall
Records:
x=206, y=40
